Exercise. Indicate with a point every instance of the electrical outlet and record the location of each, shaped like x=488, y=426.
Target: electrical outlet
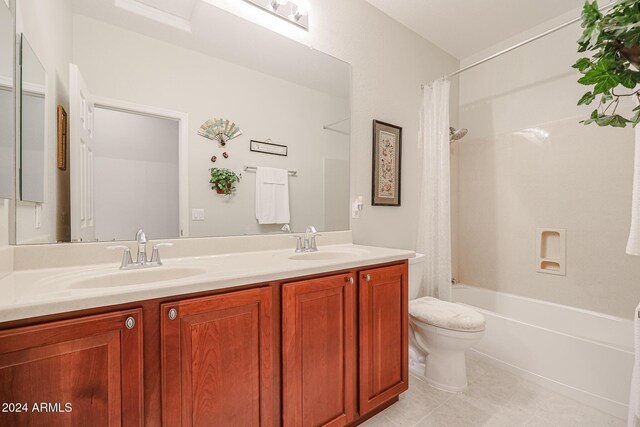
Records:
x=197, y=214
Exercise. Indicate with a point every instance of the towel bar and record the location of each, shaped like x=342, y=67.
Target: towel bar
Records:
x=253, y=169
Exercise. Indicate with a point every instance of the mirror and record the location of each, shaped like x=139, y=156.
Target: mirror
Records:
x=32, y=124
x=141, y=89
x=6, y=103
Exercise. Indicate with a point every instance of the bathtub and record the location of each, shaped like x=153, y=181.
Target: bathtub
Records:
x=579, y=353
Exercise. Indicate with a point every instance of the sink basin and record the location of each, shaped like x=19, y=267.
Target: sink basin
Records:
x=135, y=277
x=322, y=255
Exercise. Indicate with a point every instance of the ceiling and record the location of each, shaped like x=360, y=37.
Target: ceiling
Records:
x=180, y=8
x=200, y=26
x=464, y=27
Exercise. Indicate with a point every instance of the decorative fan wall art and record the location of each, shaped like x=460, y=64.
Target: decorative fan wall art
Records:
x=220, y=130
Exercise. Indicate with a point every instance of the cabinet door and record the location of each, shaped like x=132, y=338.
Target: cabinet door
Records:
x=79, y=372
x=217, y=360
x=318, y=354
x=383, y=335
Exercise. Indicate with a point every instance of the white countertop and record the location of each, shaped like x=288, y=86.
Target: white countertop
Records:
x=44, y=291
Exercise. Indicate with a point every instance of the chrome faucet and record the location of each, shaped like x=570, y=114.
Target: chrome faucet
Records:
x=142, y=260
x=307, y=243
x=141, y=238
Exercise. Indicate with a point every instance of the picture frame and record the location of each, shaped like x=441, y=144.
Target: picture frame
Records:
x=387, y=164
x=268, y=147
x=62, y=138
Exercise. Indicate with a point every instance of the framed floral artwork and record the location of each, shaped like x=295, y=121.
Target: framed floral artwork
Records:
x=387, y=156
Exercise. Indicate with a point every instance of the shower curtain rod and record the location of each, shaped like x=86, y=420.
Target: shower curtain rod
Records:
x=522, y=43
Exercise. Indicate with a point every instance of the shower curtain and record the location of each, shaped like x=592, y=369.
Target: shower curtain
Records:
x=434, y=225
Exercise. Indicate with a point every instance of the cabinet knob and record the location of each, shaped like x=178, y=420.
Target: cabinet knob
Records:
x=367, y=277
x=130, y=323
x=173, y=313
x=350, y=280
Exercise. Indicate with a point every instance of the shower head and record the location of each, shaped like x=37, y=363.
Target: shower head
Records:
x=455, y=135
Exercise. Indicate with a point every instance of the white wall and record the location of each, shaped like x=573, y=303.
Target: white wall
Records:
x=146, y=71
x=48, y=29
x=136, y=176
x=389, y=63
x=512, y=182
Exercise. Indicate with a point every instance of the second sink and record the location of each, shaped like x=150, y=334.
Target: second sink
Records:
x=135, y=277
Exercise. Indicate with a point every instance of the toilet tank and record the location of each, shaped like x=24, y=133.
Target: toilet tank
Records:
x=416, y=273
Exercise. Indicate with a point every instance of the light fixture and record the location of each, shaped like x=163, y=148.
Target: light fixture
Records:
x=300, y=10
x=275, y=4
x=294, y=11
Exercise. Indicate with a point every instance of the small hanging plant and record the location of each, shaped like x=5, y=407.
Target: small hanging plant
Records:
x=224, y=180
x=612, y=70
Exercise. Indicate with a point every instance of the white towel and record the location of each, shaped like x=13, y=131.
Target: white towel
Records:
x=272, y=196
x=633, y=244
x=634, y=396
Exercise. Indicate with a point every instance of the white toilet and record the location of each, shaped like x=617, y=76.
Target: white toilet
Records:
x=439, y=334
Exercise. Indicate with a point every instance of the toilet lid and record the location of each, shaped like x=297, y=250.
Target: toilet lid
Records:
x=446, y=315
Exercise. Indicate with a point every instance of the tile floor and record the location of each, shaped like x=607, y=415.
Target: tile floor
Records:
x=495, y=397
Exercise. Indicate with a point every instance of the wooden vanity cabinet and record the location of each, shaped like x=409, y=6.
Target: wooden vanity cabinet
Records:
x=328, y=350
x=217, y=360
x=344, y=346
x=318, y=352
x=383, y=335
x=85, y=371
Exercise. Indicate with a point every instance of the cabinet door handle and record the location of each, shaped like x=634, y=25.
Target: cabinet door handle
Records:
x=367, y=277
x=350, y=280
x=173, y=313
x=130, y=323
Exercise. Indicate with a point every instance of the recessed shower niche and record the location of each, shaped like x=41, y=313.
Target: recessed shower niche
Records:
x=551, y=251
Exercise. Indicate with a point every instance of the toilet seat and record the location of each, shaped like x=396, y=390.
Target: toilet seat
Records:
x=446, y=315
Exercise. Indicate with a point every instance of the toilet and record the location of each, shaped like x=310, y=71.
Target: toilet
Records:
x=439, y=334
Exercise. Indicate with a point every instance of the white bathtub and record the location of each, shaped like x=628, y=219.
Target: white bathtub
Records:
x=583, y=354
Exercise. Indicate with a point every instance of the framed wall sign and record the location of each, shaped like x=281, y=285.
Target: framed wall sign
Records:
x=268, y=147
x=387, y=156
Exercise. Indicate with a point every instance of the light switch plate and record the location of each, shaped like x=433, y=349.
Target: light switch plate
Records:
x=197, y=214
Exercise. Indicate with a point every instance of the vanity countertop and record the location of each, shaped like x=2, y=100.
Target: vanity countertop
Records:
x=44, y=291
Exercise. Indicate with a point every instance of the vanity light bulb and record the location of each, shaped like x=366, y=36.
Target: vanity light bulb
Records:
x=303, y=7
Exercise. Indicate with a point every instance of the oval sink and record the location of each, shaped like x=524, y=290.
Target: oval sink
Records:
x=310, y=256
x=136, y=277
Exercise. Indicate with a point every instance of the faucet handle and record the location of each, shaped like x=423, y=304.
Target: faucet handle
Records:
x=312, y=244
x=126, y=255
x=155, y=254
x=298, y=243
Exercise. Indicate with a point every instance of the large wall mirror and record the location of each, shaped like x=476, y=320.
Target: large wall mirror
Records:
x=6, y=103
x=32, y=168
x=7, y=118
x=140, y=86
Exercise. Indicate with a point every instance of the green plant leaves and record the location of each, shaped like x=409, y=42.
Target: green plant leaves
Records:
x=582, y=64
x=587, y=99
x=606, y=38
x=224, y=180
x=602, y=75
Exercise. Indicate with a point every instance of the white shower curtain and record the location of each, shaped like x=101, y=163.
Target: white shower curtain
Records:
x=434, y=225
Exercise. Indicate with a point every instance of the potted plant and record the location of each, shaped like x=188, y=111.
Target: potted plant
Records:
x=614, y=41
x=223, y=180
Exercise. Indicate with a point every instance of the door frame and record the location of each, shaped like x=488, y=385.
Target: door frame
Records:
x=183, y=147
